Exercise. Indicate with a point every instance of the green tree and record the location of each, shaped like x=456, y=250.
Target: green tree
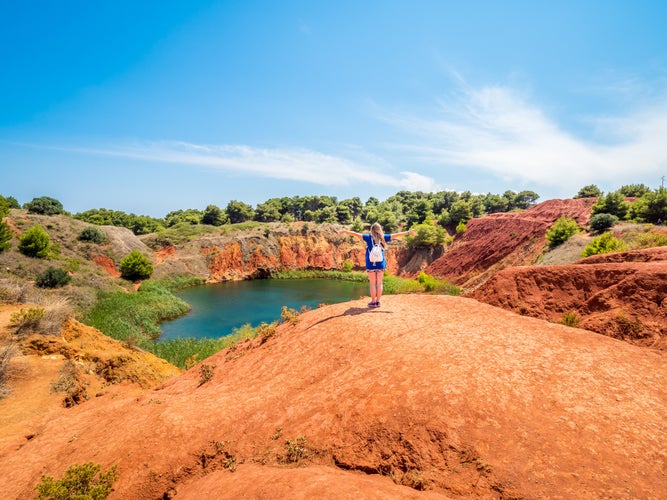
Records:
x=45, y=205
x=191, y=216
x=35, y=242
x=135, y=266
x=525, y=198
x=494, y=203
x=599, y=223
x=237, y=211
x=461, y=211
x=269, y=211
x=612, y=203
x=634, y=190
x=326, y=214
x=343, y=214
x=214, y=216
x=561, y=231
x=589, y=191
x=11, y=201
x=5, y=236
x=354, y=205
x=652, y=207
x=427, y=235
x=4, y=207
x=605, y=243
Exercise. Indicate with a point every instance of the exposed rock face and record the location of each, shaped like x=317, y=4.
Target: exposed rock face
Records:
x=497, y=241
x=428, y=392
x=238, y=256
x=622, y=295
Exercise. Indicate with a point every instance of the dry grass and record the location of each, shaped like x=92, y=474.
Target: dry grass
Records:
x=7, y=352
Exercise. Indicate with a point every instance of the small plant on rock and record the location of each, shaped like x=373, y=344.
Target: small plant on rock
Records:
x=80, y=482
x=289, y=315
x=26, y=320
x=205, y=373
x=571, y=319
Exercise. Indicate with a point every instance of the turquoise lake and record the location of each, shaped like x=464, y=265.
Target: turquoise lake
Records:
x=219, y=308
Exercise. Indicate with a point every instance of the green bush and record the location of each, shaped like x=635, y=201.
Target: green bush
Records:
x=571, y=319
x=52, y=278
x=135, y=266
x=92, y=234
x=605, y=243
x=82, y=482
x=44, y=206
x=427, y=235
x=5, y=236
x=35, y=242
x=601, y=222
x=561, y=231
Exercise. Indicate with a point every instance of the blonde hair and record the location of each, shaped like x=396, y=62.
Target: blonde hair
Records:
x=378, y=234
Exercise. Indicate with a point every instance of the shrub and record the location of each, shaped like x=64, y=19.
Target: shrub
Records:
x=427, y=281
x=347, y=266
x=135, y=266
x=605, y=243
x=92, y=234
x=81, y=481
x=44, y=206
x=561, y=231
x=52, y=278
x=289, y=315
x=205, y=373
x=35, y=242
x=5, y=236
x=461, y=228
x=649, y=240
x=601, y=222
x=12, y=291
x=26, y=320
x=570, y=319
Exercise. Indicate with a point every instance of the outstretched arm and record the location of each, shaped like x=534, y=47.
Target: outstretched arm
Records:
x=411, y=232
x=351, y=233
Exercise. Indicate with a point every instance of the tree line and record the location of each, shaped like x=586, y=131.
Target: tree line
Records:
x=449, y=209
x=404, y=209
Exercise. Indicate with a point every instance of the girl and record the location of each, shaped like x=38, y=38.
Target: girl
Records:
x=375, y=270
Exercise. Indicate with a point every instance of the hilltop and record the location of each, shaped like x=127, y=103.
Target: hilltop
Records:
x=429, y=392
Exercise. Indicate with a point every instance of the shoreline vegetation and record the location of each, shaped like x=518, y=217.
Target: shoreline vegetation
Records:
x=135, y=318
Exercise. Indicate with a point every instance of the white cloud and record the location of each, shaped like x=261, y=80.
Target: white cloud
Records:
x=493, y=129
x=300, y=165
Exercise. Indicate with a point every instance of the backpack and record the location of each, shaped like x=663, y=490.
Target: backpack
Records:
x=376, y=254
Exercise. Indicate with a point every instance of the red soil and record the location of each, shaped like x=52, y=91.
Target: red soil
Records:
x=443, y=393
x=497, y=241
x=622, y=295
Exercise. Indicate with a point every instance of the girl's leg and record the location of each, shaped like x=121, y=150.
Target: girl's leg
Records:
x=372, y=283
x=379, y=276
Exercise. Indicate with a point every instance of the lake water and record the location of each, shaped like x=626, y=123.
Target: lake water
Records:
x=219, y=308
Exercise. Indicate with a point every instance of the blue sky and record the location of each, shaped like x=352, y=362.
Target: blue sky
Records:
x=154, y=106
